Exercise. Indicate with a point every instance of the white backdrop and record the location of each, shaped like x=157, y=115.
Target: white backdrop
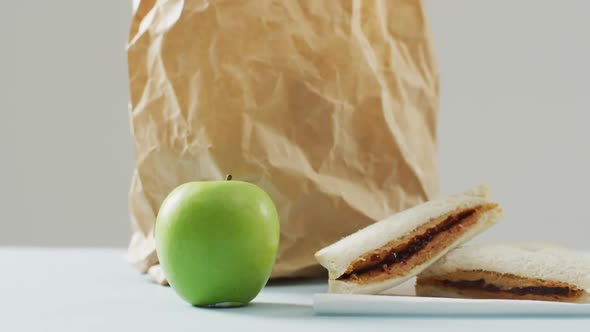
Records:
x=515, y=113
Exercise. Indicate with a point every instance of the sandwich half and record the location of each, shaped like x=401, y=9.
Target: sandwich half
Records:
x=390, y=251
x=508, y=271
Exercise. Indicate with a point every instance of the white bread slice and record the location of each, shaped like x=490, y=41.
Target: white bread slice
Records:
x=337, y=286
x=527, y=260
x=337, y=257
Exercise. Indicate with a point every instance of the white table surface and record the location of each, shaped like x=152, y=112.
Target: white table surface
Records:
x=95, y=290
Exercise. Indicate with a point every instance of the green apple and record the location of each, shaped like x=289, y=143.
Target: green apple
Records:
x=217, y=241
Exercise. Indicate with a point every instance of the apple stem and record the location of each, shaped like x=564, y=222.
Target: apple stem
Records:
x=228, y=177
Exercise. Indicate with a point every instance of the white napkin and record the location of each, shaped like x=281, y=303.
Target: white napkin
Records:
x=404, y=302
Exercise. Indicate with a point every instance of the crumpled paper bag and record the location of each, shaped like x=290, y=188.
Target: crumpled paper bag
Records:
x=330, y=106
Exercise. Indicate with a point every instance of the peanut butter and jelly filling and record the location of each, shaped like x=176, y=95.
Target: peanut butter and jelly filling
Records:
x=398, y=257
x=485, y=284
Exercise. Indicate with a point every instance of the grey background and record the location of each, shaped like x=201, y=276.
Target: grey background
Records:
x=514, y=113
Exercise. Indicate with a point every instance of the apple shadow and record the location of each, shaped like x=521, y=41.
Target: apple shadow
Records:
x=274, y=310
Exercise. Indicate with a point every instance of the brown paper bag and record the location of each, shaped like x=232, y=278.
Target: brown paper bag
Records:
x=329, y=106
